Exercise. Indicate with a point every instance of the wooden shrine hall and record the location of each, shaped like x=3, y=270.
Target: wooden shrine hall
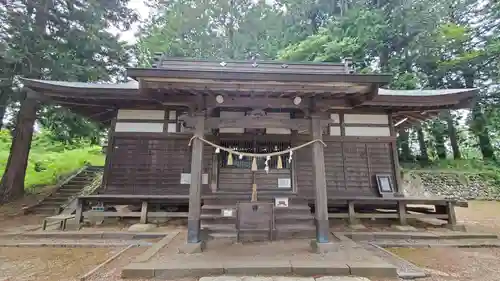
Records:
x=267, y=146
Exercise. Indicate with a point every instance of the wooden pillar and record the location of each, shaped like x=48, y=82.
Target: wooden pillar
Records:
x=452, y=218
x=193, y=235
x=79, y=211
x=395, y=157
x=402, y=213
x=321, y=204
x=144, y=212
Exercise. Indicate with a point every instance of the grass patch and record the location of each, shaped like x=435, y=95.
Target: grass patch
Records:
x=49, y=161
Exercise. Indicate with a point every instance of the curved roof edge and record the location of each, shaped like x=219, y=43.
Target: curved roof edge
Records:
x=426, y=93
x=37, y=83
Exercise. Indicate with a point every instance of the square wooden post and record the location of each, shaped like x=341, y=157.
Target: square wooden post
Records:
x=144, y=212
x=193, y=235
x=322, y=225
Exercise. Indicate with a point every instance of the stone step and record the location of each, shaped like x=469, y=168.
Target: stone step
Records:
x=219, y=227
x=222, y=235
x=216, y=217
x=295, y=231
x=55, y=200
x=290, y=220
x=41, y=209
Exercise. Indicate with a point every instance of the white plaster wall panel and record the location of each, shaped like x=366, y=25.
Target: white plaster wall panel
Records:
x=131, y=114
x=139, y=127
x=172, y=115
x=334, y=131
x=368, y=131
x=172, y=127
x=366, y=119
x=278, y=131
x=335, y=118
x=232, y=114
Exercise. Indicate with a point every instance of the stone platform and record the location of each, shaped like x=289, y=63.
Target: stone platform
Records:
x=288, y=257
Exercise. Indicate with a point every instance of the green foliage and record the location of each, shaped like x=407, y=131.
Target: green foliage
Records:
x=49, y=160
x=489, y=171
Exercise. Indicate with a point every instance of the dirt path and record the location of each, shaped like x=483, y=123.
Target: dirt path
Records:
x=481, y=216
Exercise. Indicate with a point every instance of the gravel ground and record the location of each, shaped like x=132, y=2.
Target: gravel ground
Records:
x=481, y=216
x=40, y=264
x=50, y=264
x=447, y=264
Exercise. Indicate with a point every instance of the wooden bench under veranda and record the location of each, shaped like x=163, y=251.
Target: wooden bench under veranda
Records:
x=350, y=208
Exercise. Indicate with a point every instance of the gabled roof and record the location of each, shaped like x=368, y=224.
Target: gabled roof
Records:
x=181, y=81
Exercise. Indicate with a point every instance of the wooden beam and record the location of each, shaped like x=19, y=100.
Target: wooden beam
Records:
x=321, y=205
x=301, y=125
x=193, y=235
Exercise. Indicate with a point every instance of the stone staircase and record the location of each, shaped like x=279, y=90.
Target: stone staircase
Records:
x=51, y=204
x=294, y=221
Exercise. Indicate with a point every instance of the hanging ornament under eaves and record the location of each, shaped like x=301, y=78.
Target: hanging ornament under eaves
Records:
x=280, y=163
x=254, y=164
x=230, y=159
x=266, y=168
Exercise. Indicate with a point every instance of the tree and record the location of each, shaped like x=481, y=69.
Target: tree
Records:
x=60, y=40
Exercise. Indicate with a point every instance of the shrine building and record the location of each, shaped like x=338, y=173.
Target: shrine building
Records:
x=314, y=141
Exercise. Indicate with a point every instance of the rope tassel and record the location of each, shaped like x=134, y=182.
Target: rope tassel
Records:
x=254, y=192
x=254, y=164
x=230, y=159
x=280, y=163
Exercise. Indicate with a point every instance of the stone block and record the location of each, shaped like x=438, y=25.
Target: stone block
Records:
x=256, y=278
x=178, y=269
x=294, y=278
x=373, y=269
x=192, y=248
x=342, y=278
x=322, y=248
x=141, y=227
x=357, y=226
x=303, y=267
x=137, y=271
x=404, y=227
x=456, y=227
x=257, y=267
x=221, y=278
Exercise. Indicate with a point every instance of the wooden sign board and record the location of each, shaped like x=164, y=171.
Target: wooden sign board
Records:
x=385, y=185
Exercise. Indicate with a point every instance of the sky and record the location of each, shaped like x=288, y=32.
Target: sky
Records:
x=143, y=12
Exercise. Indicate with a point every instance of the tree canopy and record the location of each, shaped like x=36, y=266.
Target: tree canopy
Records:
x=422, y=43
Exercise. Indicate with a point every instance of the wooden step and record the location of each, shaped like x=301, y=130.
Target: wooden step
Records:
x=219, y=227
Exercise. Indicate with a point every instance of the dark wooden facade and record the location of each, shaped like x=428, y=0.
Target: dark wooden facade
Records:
x=251, y=107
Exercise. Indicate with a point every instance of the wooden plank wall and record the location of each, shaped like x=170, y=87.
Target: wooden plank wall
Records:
x=350, y=168
x=152, y=166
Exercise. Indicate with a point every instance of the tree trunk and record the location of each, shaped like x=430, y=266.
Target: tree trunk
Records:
x=438, y=134
x=12, y=184
x=479, y=123
x=424, y=156
x=479, y=128
x=405, y=146
x=452, y=132
x=4, y=101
